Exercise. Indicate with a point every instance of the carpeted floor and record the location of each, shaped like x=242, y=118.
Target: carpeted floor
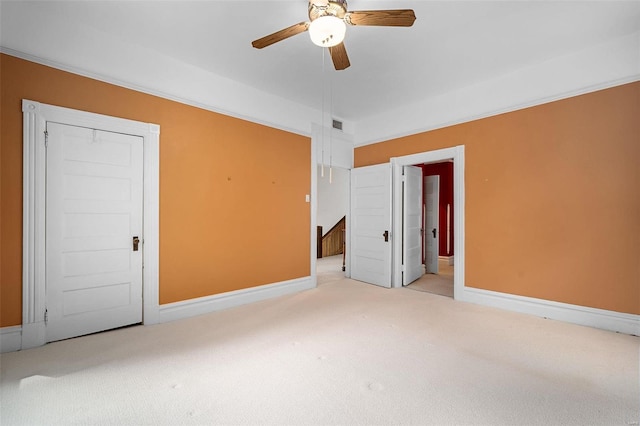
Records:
x=344, y=353
x=440, y=283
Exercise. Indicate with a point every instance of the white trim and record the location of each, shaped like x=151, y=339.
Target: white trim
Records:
x=289, y=116
x=457, y=155
x=34, y=334
x=582, y=315
x=345, y=162
x=609, y=64
x=10, y=338
x=485, y=114
x=217, y=302
x=314, y=203
x=35, y=117
x=151, y=215
x=449, y=259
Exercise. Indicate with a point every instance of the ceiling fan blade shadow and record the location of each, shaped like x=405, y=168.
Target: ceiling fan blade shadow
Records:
x=339, y=57
x=383, y=18
x=280, y=35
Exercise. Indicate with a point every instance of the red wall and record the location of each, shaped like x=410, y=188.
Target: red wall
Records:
x=445, y=171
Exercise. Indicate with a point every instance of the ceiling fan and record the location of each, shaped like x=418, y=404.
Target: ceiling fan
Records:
x=327, y=26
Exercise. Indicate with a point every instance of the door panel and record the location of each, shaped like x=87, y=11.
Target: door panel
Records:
x=431, y=232
x=94, y=209
x=412, y=225
x=370, y=218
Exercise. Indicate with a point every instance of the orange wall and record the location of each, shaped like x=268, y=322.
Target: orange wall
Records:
x=552, y=198
x=232, y=193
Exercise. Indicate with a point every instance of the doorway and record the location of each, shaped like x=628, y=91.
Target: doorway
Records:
x=455, y=272
x=332, y=211
x=438, y=225
x=36, y=117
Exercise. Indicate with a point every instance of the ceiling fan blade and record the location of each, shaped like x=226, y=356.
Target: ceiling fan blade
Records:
x=280, y=35
x=339, y=57
x=385, y=18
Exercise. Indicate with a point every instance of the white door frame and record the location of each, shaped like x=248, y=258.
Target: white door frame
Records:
x=457, y=155
x=431, y=267
x=35, y=117
x=342, y=162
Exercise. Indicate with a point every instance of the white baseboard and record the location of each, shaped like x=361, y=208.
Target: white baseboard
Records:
x=17, y=337
x=447, y=258
x=10, y=338
x=581, y=315
x=217, y=302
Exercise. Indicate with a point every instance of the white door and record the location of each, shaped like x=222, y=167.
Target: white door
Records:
x=412, y=268
x=371, y=224
x=431, y=232
x=93, y=214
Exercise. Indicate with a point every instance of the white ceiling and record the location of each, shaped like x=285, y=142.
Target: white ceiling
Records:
x=452, y=44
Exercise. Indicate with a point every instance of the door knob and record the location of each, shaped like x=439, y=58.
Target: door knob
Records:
x=136, y=241
x=386, y=236
x=434, y=232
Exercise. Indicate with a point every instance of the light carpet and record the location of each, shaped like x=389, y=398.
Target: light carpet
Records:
x=440, y=283
x=344, y=353
x=435, y=284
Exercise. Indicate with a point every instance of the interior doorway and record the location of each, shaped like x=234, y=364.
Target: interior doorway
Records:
x=438, y=229
x=368, y=193
x=450, y=269
x=35, y=314
x=332, y=212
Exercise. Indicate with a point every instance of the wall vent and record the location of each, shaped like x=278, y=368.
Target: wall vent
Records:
x=337, y=124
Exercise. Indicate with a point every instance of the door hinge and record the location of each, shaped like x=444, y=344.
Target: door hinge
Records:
x=46, y=139
x=46, y=315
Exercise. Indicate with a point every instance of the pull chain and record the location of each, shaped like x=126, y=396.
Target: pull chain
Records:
x=322, y=120
x=331, y=129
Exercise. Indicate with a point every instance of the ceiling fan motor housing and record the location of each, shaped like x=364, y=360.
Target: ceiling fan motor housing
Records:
x=328, y=20
x=337, y=8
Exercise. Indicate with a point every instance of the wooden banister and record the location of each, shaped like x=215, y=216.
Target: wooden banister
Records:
x=319, y=242
x=333, y=241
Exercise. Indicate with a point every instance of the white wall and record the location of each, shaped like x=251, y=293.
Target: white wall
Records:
x=333, y=147
x=151, y=72
x=598, y=67
x=333, y=198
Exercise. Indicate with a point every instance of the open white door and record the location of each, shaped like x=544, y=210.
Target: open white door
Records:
x=93, y=230
x=432, y=201
x=371, y=224
x=412, y=268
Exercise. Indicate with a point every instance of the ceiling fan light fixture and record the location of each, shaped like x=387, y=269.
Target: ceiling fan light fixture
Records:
x=327, y=31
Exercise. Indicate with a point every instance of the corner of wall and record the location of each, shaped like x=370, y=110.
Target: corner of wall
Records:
x=599, y=67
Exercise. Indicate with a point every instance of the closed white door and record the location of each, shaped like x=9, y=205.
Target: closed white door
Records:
x=431, y=232
x=371, y=224
x=412, y=268
x=93, y=217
